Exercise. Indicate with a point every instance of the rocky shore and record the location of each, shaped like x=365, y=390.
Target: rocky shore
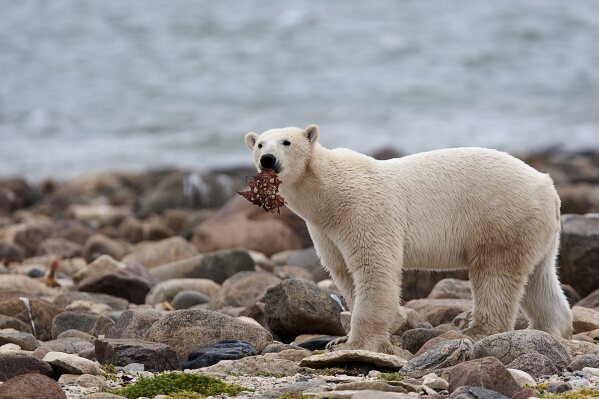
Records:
x=166, y=284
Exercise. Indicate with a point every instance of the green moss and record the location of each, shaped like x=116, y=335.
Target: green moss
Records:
x=580, y=394
x=176, y=383
x=391, y=377
x=294, y=396
x=329, y=371
x=108, y=372
x=186, y=395
x=269, y=374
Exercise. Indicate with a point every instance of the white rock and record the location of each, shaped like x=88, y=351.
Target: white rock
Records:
x=433, y=381
x=72, y=363
x=249, y=320
x=591, y=371
x=9, y=348
x=522, y=378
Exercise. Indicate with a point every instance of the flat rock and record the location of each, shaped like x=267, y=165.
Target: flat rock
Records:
x=343, y=357
x=256, y=365
x=245, y=288
x=488, y=373
x=584, y=319
x=512, y=344
x=25, y=340
x=298, y=306
x=444, y=354
x=370, y=394
x=72, y=364
x=102, y=395
x=13, y=364
x=534, y=364
x=152, y=254
x=134, y=323
x=154, y=356
x=102, y=264
x=166, y=290
x=187, y=330
x=469, y=392
x=31, y=386
x=92, y=323
x=72, y=345
x=224, y=350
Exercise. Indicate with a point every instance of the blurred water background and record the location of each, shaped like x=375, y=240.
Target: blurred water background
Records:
x=103, y=85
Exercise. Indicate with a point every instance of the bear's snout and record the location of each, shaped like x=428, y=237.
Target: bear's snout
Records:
x=268, y=161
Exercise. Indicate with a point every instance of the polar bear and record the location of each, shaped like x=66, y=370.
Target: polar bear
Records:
x=463, y=208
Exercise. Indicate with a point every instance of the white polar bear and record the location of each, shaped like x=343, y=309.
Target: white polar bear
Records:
x=472, y=208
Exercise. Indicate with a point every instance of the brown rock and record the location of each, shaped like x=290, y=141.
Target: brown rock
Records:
x=98, y=245
x=584, y=319
x=42, y=312
x=31, y=386
x=487, y=373
x=412, y=340
x=446, y=336
x=92, y=323
x=59, y=247
x=11, y=251
x=451, y=288
x=132, y=283
x=439, y=311
x=534, y=364
x=590, y=301
x=525, y=393
x=152, y=254
x=16, y=324
x=131, y=229
x=134, y=323
x=245, y=288
x=14, y=364
x=419, y=283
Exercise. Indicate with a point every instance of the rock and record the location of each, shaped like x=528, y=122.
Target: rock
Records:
x=91, y=381
x=526, y=393
x=522, y=378
x=102, y=395
x=579, y=252
x=298, y=306
x=98, y=245
x=100, y=265
x=25, y=340
x=154, y=356
x=24, y=284
x=245, y=288
x=186, y=299
x=132, y=283
x=571, y=295
x=434, y=382
x=370, y=394
x=379, y=386
x=558, y=387
x=582, y=361
x=31, y=386
x=575, y=348
x=446, y=336
x=88, y=305
x=11, y=251
x=287, y=272
x=97, y=214
x=584, y=319
x=469, y=392
x=72, y=345
x=316, y=343
x=13, y=364
x=64, y=299
x=131, y=229
x=224, y=350
x=9, y=348
x=152, y=254
x=265, y=234
x=216, y=266
x=72, y=364
x=29, y=236
x=89, y=322
x=439, y=311
x=591, y=371
x=412, y=340
x=187, y=330
x=59, y=247
x=451, y=288
x=134, y=323
x=342, y=357
x=15, y=324
x=534, y=364
x=590, y=301
x=446, y=354
x=488, y=373
x=256, y=365
x=307, y=259
x=166, y=290
x=512, y=344
x=42, y=312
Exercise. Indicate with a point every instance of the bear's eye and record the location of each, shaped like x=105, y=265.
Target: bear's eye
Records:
x=286, y=142
x=260, y=145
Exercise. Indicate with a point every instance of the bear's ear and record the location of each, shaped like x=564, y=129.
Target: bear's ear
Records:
x=250, y=140
x=311, y=133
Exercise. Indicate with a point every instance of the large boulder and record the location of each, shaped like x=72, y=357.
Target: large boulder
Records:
x=297, y=306
x=245, y=288
x=166, y=290
x=579, y=252
x=216, y=266
x=188, y=330
x=590, y=301
x=27, y=308
x=154, y=356
x=152, y=254
x=92, y=323
x=487, y=373
x=13, y=364
x=134, y=323
x=31, y=386
x=509, y=345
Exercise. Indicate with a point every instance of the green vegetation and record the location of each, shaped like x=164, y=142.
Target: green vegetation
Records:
x=269, y=374
x=186, y=395
x=178, y=384
x=294, y=396
x=391, y=377
x=108, y=372
x=580, y=394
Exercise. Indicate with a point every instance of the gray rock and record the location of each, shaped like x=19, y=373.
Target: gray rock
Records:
x=186, y=299
x=451, y=288
x=245, y=288
x=278, y=347
x=98, y=245
x=25, y=340
x=558, y=387
x=15, y=324
x=343, y=357
x=59, y=247
x=152, y=254
x=14, y=364
x=468, y=392
x=11, y=251
x=216, y=266
x=102, y=395
x=443, y=355
x=154, y=356
x=72, y=345
x=590, y=301
x=584, y=319
x=512, y=344
x=72, y=364
x=76, y=334
x=134, y=323
x=534, y=364
x=297, y=306
x=255, y=365
x=65, y=298
x=131, y=283
x=307, y=259
x=582, y=361
x=439, y=311
x=166, y=290
x=187, y=330
x=487, y=373
x=413, y=340
x=89, y=322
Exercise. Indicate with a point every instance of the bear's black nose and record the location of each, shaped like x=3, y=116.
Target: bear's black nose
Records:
x=268, y=161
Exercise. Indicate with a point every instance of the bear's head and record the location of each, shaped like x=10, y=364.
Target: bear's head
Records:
x=287, y=150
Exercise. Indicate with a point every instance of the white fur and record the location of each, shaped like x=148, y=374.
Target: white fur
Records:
x=472, y=208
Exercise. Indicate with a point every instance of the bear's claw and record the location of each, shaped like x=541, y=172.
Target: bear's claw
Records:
x=337, y=341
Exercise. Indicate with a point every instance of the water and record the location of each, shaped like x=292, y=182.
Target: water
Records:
x=94, y=85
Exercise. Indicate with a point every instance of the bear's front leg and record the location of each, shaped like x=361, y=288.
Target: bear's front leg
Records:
x=377, y=286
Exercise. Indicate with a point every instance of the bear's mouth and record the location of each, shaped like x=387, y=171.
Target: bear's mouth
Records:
x=276, y=169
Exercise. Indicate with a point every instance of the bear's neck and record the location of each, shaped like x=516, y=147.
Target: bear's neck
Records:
x=307, y=197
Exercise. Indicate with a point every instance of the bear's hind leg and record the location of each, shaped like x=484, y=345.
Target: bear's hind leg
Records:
x=544, y=302
x=497, y=281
